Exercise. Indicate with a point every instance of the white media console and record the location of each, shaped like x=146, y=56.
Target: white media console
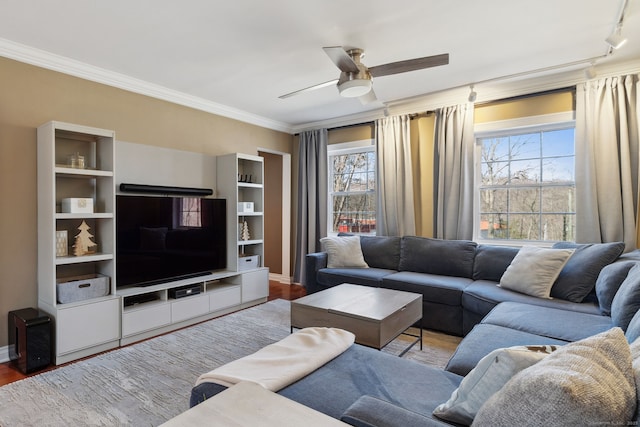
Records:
x=150, y=310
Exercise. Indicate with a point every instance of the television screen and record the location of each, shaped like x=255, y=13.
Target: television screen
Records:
x=160, y=239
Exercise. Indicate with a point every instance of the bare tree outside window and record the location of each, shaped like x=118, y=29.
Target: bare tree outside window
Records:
x=527, y=189
x=353, y=192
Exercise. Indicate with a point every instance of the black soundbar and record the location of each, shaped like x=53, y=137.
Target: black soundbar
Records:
x=162, y=189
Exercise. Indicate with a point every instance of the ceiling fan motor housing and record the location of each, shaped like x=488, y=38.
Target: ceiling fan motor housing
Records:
x=354, y=84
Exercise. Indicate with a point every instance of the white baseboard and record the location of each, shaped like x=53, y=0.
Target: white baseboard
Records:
x=286, y=280
x=4, y=354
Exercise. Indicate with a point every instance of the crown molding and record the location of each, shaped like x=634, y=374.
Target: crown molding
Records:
x=50, y=61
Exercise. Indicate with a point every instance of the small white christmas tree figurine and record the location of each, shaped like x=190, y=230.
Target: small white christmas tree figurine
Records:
x=245, y=231
x=83, y=244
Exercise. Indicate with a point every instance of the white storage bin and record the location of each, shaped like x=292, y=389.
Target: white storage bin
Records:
x=248, y=262
x=245, y=207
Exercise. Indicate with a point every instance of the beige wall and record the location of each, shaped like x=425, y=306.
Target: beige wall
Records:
x=273, y=213
x=30, y=96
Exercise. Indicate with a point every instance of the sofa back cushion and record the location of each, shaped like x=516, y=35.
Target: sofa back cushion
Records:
x=609, y=281
x=492, y=261
x=578, y=278
x=627, y=300
x=436, y=256
x=381, y=251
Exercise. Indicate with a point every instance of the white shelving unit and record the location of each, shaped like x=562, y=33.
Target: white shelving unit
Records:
x=92, y=325
x=240, y=178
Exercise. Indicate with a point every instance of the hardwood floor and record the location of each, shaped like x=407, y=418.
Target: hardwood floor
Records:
x=9, y=373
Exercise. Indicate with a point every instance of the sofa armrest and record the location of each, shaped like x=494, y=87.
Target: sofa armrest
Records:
x=369, y=411
x=313, y=263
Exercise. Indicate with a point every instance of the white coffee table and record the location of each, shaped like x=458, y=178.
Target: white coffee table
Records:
x=375, y=315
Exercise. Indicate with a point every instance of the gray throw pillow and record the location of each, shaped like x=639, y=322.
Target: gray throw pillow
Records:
x=534, y=270
x=627, y=300
x=608, y=283
x=490, y=375
x=579, y=276
x=344, y=251
x=633, y=330
x=588, y=382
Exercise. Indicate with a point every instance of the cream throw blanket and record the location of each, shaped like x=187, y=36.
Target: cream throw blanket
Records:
x=284, y=362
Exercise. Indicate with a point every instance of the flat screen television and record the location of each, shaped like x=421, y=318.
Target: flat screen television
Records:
x=161, y=239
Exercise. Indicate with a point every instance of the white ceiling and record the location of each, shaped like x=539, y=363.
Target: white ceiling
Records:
x=236, y=57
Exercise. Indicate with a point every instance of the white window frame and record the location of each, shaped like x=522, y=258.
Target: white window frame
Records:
x=364, y=145
x=545, y=122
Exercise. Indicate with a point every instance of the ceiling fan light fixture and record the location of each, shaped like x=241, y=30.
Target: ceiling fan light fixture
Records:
x=354, y=88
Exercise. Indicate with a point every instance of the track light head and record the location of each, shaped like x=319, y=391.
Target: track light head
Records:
x=615, y=40
x=472, y=95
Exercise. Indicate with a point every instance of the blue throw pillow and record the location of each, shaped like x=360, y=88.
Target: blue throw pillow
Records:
x=627, y=300
x=633, y=330
x=578, y=277
x=608, y=283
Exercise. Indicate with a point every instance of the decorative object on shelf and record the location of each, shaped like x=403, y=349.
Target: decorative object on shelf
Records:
x=245, y=207
x=76, y=161
x=245, y=231
x=248, y=178
x=77, y=205
x=83, y=244
x=62, y=243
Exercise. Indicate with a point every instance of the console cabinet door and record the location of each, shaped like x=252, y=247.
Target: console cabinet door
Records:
x=87, y=325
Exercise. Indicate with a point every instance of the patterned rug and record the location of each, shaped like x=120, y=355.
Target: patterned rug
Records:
x=147, y=383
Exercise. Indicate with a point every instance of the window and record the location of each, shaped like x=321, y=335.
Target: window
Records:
x=527, y=184
x=352, y=188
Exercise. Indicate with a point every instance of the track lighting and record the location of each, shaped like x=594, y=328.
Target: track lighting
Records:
x=472, y=95
x=615, y=40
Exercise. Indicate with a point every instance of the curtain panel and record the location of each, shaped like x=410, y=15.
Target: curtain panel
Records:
x=607, y=160
x=454, y=166
x=312, y=196
x=395, y=213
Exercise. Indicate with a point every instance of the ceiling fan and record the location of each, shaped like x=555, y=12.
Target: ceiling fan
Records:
x=356, y=79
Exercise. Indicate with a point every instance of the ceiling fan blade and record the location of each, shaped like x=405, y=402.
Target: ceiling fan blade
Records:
x=409, y=65
x=341, y=58
x=368, y=97
x=308, y=89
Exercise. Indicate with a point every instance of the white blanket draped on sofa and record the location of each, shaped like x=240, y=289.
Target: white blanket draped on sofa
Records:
x=284, y=362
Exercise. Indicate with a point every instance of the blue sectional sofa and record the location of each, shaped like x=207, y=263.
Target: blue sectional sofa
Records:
x=458, y=279
x=596, y=302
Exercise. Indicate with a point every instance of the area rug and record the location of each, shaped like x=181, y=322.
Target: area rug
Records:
x=147, y=383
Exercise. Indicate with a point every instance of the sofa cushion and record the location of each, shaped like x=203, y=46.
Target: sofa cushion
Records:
x=492, y=372
x=328, y=277
x=588, y=382
x=608, y=283
x=381, y=251
x=633, y=330
x=491, y=261
x=433, y=287
x=369, y=411
x=343, y=251
x=484, y=339
x=534, y=270
x=548, y=322
x=361, y=371
x=579, y=276
x=436, y=256
x=627, y=300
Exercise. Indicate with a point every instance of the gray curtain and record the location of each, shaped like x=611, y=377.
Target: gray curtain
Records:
x=395, y=213
x=312, y=196
x=454, y=166
x=607, y=160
